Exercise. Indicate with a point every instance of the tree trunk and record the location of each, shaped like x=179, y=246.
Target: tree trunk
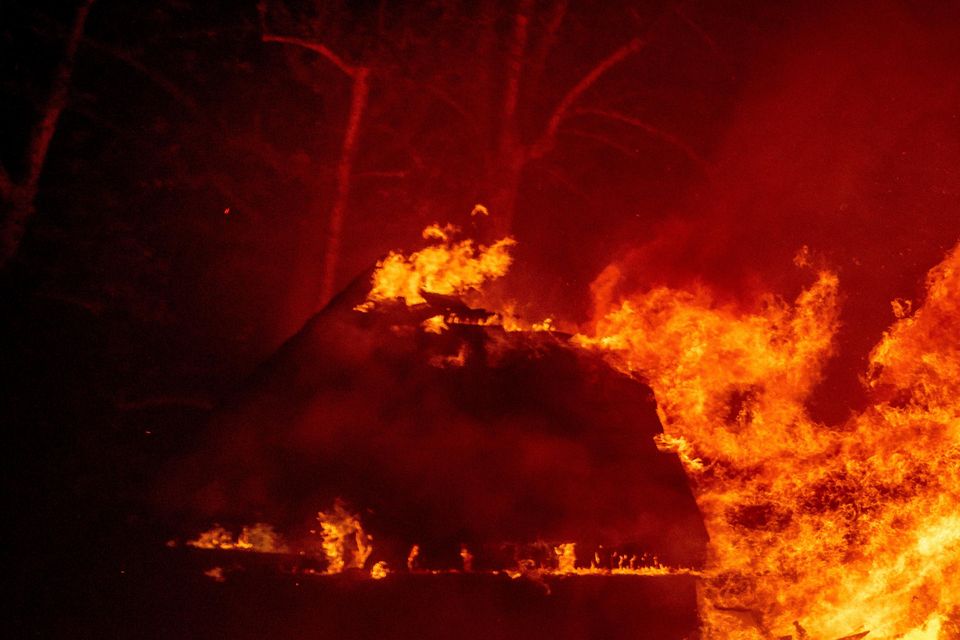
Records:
x=358, y=102
x=19, y=197
x=505, y=186
x=511, y=155
x=18, y=208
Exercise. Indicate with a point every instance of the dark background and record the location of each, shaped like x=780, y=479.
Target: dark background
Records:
x=135, y=302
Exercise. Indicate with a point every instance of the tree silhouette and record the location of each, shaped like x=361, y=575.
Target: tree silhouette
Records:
x=19, y=195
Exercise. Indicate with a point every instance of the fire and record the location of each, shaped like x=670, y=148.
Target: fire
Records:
x=815, y=532
x=734, y=381
x=506, y=319
x=566, y=557
x=259, y=538
x=435, y=324
x=616, y=564
x=215, y=574
x=379, y=571
x=447, y=267
x=412, y=557
x=343, y=540
x=345, y=545
x=467, y=558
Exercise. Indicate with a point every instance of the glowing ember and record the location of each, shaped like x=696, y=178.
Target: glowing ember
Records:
x=215, y=574
x=815, y=532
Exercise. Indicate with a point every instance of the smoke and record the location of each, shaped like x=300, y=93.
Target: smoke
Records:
x=845, y=141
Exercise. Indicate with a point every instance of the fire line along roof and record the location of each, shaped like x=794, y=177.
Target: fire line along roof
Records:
x=473, y=435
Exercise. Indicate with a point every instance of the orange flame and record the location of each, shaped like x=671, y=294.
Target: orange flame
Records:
x=344, y=543
x=379, y=571
x=446, y=268
x=259, y=538
x=815, y=532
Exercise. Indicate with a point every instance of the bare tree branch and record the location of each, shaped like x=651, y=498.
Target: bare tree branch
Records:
x=444, y=97
x=43, y=134
x=222, y=183
x=316, y=47
x=652, y=131
x=697, y=29
x=6, y=183
x=393, y=141
x=20, y=197
x=399, y=173
x=518, y=45
x=255, y=142
x=159, y=79
x=564, y=181
x=93, y=307
x=359, y=93
x=485, y=48
x=162, y=401
x=554, y=21
x=548, y=139
x=596, y=137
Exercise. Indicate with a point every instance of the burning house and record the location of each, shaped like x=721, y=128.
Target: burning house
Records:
x=528, y=319
x=452, y=449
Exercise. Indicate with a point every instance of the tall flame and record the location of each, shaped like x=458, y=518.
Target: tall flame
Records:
x=815, y=532
x=344, y=542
